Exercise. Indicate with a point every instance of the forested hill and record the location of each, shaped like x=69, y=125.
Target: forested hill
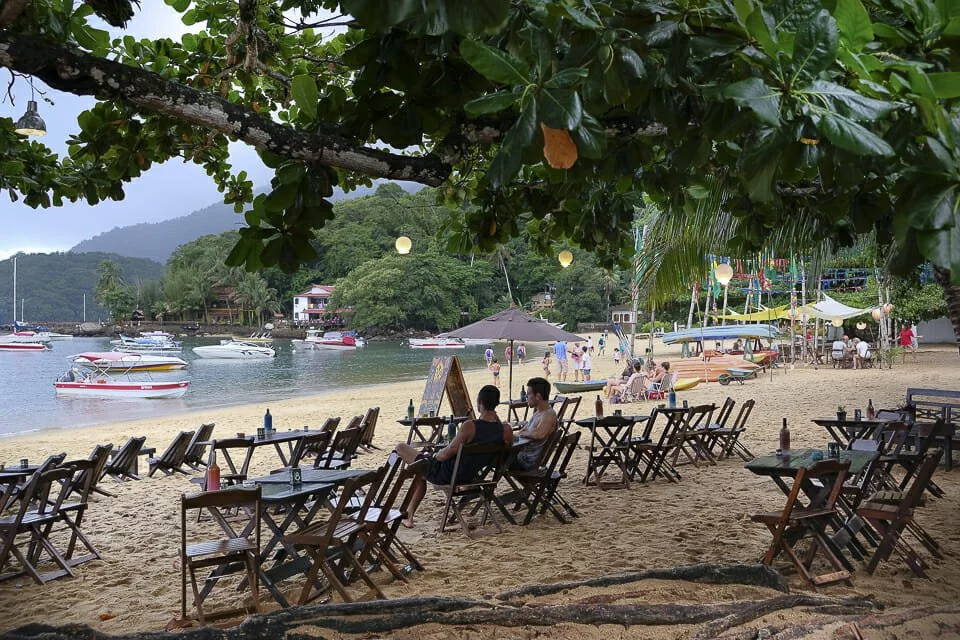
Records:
x=157, y=240
x=52, y=284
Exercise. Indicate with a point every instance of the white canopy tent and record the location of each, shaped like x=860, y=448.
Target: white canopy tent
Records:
x=829, y=309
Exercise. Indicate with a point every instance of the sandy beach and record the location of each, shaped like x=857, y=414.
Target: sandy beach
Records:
x=704, y=518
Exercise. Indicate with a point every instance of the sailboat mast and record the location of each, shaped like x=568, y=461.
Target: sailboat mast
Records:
x=14, y=290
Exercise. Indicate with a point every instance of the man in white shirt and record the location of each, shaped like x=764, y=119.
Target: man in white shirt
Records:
x=586, y=364
x=838, y=350
x=861, y=353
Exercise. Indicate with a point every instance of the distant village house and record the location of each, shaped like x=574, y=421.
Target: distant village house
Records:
x=313, y=306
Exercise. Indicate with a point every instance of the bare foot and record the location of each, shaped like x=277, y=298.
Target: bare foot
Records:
x=408, y=523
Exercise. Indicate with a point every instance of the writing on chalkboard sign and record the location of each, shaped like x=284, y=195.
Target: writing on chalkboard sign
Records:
x=446, y=376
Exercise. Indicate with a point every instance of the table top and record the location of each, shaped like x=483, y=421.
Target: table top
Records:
x=850, y=421
x=799, y=458
x=280, y=436
x=16, y=473
x=283, y=492
x=331, y=476
x=610, y=421
x=433, y=421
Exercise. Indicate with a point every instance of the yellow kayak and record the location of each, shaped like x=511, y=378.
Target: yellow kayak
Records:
x=682, y=384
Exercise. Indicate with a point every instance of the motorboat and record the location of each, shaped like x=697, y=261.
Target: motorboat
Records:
x=329, y=341
x=235, y=350
x=24, y=341
x=42, y=330
x=158, y=344
x=436, y=343
x=470, y=342
x=264, y=337
x=122, y=361
x=98, y=383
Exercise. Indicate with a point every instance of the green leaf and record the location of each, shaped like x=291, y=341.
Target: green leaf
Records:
x=761, y=28
x=579, y=18
x=377, y=14
x=754, y=94
x=469, y=18
x=90, y=38
x=179, y=5
x=932, y=209
x=847, y=134
x=507, y=162
x=566, y=78
x=631, y=62
x=590, y=136
x=946, y=85
x=942, y=247
x=494, y=64
x=849, y=102
x=491, y=103
x=815, y=48
x=561, y=108
x=303, y=88
x=854, y=22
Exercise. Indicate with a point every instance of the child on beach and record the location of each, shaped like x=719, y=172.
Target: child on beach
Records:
x=488, y=356
x=577, y=366
x=616, y=355
x=546, y=365
x=495, y=367
x=521, y=353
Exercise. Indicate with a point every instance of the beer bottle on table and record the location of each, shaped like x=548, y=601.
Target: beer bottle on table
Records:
x=871, y=412
x=213, y=473
x=599, y=406
x=784, y=437
x=410, y=410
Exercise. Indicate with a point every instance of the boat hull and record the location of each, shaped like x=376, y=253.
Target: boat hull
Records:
x=214, y=352
x=22, y=346
x=709, y=371
x=121, y=390
x=682, y=384
x=580, y=387
x=320, y=345
x=435, y=344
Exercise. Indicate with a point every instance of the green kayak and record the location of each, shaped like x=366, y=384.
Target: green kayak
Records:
x=579, y=387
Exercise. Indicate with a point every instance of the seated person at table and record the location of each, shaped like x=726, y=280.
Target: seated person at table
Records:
x=616, y=387
x=861, y=353
x=839, y=348
x=486, y=429
x=539, y=427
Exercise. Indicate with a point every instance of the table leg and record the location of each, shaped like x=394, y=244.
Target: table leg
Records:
x=279, y=449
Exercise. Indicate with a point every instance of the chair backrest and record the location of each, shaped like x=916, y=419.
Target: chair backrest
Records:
x=126, y=456
x=232, y=498
x=562, y=411
x=633, y=390
x=699, y=416
x=933, y=404
x=489, y=459
x=195, y=450
x=51, y=462
x=84, y=478
x=725, y=411
x=562, y=453
x=745, y=409
x=396, y=476
x=174, y=455
x=246, y=445
x=330, y=425
x=830, y=473
x=369, y=426
x=345, y=443
x=53, y=486
x=893, y=436
x=354, y=423
x=570, y=410
x=924, y=474
x=864, y=444
x=100, y=455
x=360, y=485
x=314, y=444
x=546, y=451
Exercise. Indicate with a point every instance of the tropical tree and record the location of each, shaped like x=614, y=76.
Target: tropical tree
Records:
x=112, y=292
x=255, y=295
x=549, y=117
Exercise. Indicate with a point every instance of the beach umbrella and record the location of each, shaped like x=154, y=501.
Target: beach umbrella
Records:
x=513, y=324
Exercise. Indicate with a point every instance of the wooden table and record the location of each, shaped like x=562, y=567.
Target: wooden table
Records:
x=609, y=445
x=780, y=467
x=846, y=431
x=276, y=439
x=436, y=424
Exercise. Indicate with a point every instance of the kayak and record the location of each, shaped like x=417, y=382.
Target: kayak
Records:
x=580, y=387
x=685, y=383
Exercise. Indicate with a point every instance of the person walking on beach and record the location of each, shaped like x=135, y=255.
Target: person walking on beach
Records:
x=575, y=359
x=589, y=346
x=546, y=365
x=560, y=351
x=586, y=363
x=616, y=355
x=906, y=338
x=601, y=344
x=488, y=356
x=495, y=368
x=521, y=353
x=508, y=354
x=485, y=429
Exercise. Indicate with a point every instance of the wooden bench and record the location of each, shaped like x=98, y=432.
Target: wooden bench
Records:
x=932, y=404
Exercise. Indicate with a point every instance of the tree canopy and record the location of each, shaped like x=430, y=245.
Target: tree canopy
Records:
x=549, y=117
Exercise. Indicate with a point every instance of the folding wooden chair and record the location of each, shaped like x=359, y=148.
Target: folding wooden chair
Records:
x=725, y=410
x=196, y=452
x=124, y=461
x=892, y=512
x=369, y=426
x=693, y=441
x=530, y=486
x=172, y=460
x=481, y=489
x=20, y=522
x=796, y=523
x=101, y=457
x=330, y=544
x=225, y=450
x=315, y=445
x=242, y=547
x=44, y=499
x=649, y=459
x=727, y=439
x=330, y=425
x=342, y=450
x=73, y=505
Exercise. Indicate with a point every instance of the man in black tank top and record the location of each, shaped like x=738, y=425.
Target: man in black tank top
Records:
x=485, y=429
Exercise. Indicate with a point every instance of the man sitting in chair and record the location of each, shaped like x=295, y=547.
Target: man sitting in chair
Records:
x=539, y=427
x=486, y=429
x=861, y=354
x=616, y=387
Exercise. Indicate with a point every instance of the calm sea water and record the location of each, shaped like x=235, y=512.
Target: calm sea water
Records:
x=28, y=401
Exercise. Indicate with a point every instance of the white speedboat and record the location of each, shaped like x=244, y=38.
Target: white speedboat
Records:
x=329, y=341
x=235, y=350
x=259, y=338
x=158, y=344
x=100, y=384
x=24, y=341
x=41, y=330
x=436, y=343
x=121, y=361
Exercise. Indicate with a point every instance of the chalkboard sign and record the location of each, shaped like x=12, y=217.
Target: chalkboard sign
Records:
x=446, y=376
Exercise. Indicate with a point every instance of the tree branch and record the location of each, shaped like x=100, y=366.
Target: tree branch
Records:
x=10, y=11
x=76, y=72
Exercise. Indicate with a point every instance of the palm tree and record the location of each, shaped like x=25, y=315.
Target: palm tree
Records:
x=201, y=288
x=254, y=294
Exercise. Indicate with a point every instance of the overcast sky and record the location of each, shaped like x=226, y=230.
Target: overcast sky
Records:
x=166, y=191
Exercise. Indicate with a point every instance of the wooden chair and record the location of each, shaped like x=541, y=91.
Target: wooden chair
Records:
x=540, y=487
x=694, y=436
x=315, y=445
x=650, y=459
x=101, y=456
x=330, y=425
x=725, y=410
x=796, y=523
x=728, y=438
x=481, y=489
x=330, y=544
x=172, y=460
x=44, y=495
x=25, y=522
x=530, y=486
x=369, y=426
x=342, y=450
x=121, y=467
x=891, y=512
x=225, y=450
x=242, y=548
x=73, y=505
x=196, y=452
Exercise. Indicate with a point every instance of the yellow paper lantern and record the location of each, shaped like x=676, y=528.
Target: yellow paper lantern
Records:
x=876, y=314
x=724, y=273
x=887, y=308
x=566, y=258
x=403, y=245
x=837, y=322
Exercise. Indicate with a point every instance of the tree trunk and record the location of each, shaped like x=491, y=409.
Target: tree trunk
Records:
x=951, y=293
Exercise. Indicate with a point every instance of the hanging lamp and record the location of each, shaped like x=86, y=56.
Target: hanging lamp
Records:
x=31, y=124
x=565, y=258
x=403, y=245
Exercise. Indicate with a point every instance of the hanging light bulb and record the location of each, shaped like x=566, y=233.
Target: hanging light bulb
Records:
x=31, y=124
x=566, y=258
x=403, y=245
x=724, y=273
x=887, y=308
x=876, y=314
x=837, y=322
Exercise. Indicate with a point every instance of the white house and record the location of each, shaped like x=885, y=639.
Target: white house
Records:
x=313, y=305
x=622, y=315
